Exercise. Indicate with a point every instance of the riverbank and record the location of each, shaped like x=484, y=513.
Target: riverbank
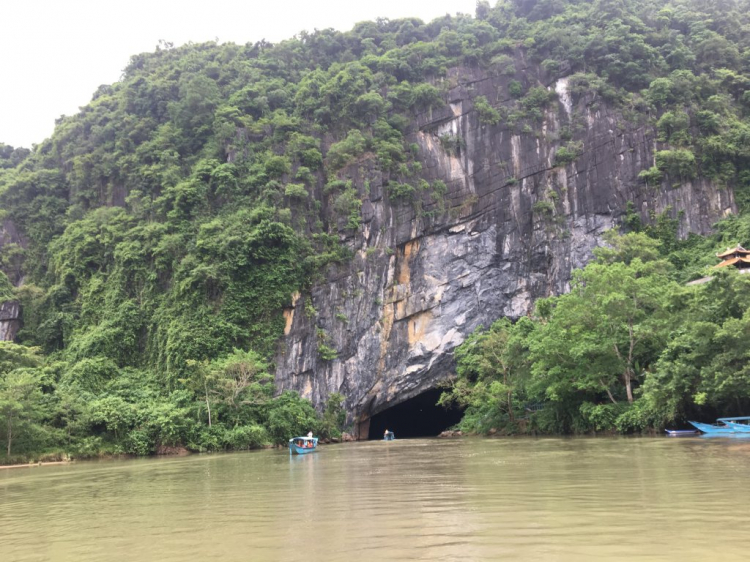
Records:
x=161, y=451
x=32, y=464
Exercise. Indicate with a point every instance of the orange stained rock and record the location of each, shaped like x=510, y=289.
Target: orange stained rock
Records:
x=404, y=273
x=289, y=318
x=418, y=326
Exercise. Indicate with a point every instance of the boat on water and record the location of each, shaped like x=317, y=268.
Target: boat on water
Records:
x=709, y=429
x=388, y=436
x=681, y=432
x=303, y=445
x=735, y=424
x=725, y=426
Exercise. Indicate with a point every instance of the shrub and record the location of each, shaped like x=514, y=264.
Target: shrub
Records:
x=398, y=190
x=536, y=98
x=290, y=415
x=312, y=158
x=660, y=92
x=304, y=175
x=673, y=127
x=334, y=416
x=296, y=190
x=679, y=163
x=566, y=154
x=451, y=144
x=348, y=204
x=245, y=437
x=601, y=417
x=139, y=442
x=543, y=208
x=6, y=287
x=343, y=152
x=503, y=64
x=277, y=166
x=634, y=419
x=426, y=96
x=487, y=114
x=651, y=177
x=326, y=352
x=335, y=185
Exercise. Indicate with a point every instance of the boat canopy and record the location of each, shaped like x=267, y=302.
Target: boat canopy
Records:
x=739, y=418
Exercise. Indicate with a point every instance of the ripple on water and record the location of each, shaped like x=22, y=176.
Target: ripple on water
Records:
x=470, y=499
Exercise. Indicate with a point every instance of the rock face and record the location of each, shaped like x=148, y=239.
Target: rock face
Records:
x=513, y=228
x=10, y=311
x=10, y=236
x=10, y=320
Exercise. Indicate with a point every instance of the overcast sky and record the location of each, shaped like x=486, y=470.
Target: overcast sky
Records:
x=55, y=53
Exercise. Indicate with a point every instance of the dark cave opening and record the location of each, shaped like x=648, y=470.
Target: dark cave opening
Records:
x=417, y=417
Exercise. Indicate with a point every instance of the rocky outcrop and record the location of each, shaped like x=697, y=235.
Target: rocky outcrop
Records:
x=10, y=320
x=10, y=311
x=510, y=229
x=10, y=236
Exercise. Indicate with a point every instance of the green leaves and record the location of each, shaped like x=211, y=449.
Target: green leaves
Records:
x=680, y=164
x=344, y=152
x=488, y=115
x=492, y=371
x=20, y=397
x=6, y=288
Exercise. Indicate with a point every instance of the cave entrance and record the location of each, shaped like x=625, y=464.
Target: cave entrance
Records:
x=417, y=417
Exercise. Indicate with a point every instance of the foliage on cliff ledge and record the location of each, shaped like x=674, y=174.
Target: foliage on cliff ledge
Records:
x=170, y=220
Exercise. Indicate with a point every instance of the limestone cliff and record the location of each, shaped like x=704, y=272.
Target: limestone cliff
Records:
x=10, y=311
x=512, y=228
x=10, y=319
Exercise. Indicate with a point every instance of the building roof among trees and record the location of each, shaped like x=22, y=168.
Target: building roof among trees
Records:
x=736, y=251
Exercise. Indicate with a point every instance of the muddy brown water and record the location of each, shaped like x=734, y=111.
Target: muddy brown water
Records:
x=421, y=499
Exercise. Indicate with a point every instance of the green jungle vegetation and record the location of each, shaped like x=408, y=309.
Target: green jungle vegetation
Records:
x=631, y=348
x=170, y=220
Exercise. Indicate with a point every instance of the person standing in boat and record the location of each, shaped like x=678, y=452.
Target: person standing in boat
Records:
x=310, y=434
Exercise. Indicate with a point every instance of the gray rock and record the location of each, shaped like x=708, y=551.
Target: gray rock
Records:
x=10, y=320
x=510, y=230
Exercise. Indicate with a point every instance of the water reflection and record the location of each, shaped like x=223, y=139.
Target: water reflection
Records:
x=473, y=499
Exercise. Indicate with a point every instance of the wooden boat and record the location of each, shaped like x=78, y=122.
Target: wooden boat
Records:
x=303, y=445
x=388, y=436
x=681, y=432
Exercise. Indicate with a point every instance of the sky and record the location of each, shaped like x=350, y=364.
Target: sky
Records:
x=56, y=53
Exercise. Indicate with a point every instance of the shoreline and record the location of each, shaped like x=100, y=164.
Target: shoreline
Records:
x=442, y=437
x=31, y=464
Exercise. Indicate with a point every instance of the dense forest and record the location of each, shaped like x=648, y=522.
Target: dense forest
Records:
x=167, y=224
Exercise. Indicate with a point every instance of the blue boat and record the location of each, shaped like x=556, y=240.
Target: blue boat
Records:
x=737, y=427
x=709, y=429
x=388, y=436
x=303, y=445
x=729, y=426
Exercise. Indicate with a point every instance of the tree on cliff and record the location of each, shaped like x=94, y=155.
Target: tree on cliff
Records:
x=20, y=394
x=491, y=370
x=607, y=329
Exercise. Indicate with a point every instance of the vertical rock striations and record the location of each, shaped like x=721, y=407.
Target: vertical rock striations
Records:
x=10, y=311
x=517, y=217
x=10, y=320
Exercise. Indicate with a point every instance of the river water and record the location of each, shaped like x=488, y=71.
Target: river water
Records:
x=422, y=499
